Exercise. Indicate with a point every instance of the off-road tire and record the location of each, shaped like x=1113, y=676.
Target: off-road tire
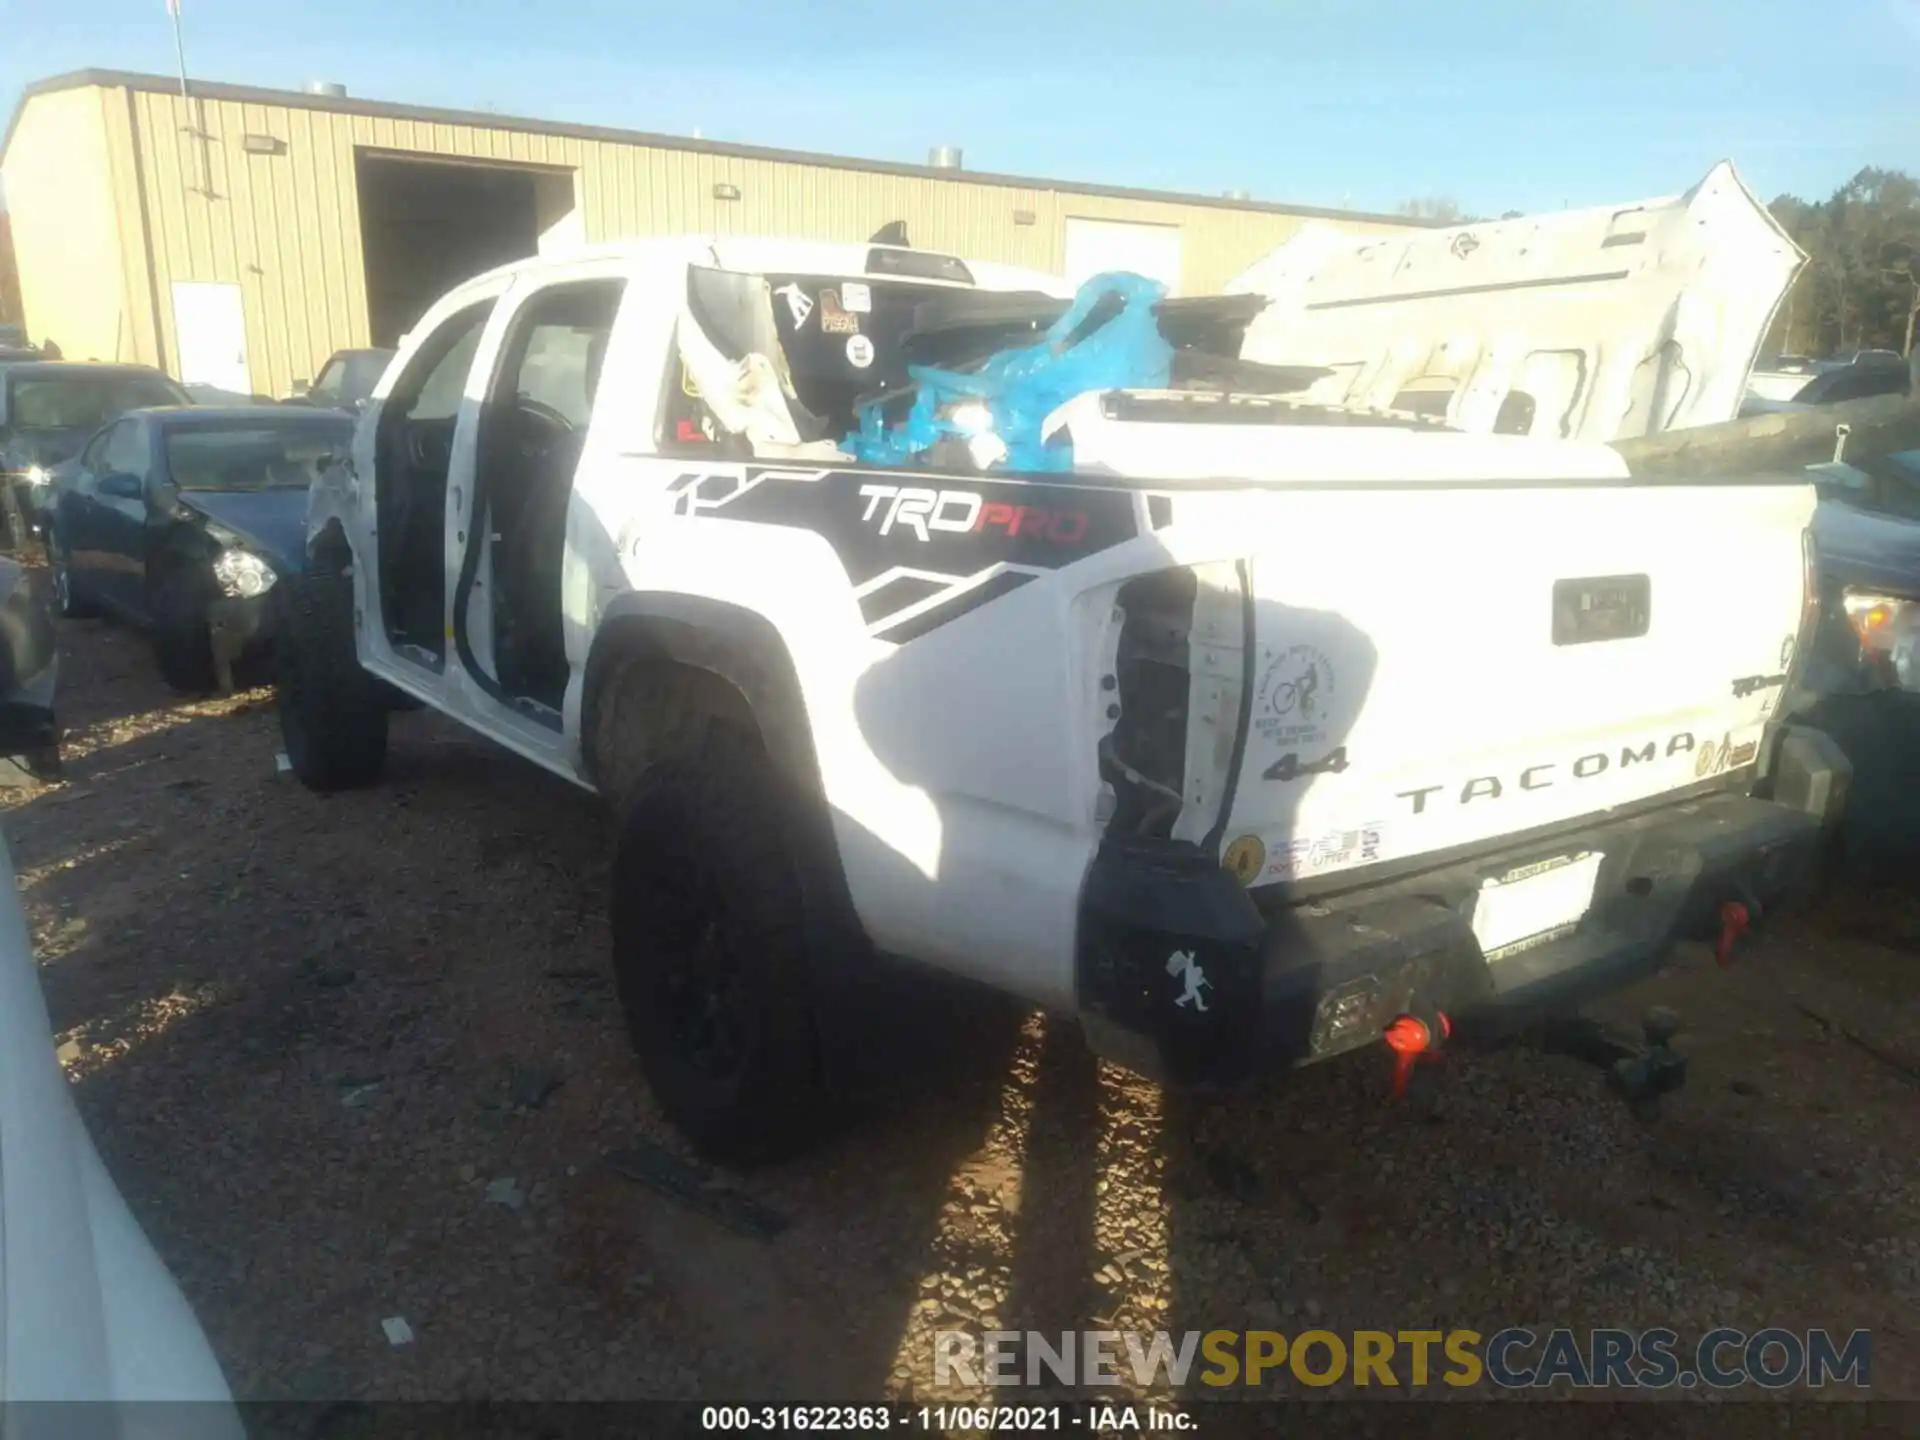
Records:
x=707, y=917
x=38, y=767
x=333, y=715
x=182, y=633
x=65, y=605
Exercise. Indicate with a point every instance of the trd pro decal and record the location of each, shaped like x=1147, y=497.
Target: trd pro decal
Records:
x=1753, y=684
x=963, y=512
x=920, y=555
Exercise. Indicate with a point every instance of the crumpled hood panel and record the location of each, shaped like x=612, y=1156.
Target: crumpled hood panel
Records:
x=272, y=523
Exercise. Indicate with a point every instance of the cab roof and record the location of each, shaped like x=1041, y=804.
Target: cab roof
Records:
x=770, y=255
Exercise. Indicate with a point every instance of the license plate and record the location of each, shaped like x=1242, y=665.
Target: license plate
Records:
x=1538, y=903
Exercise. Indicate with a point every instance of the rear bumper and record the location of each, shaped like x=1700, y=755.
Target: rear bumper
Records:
x=1301, y=984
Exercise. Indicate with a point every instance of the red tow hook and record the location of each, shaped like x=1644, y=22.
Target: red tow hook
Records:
x=1410, y=1037
x=1735, y=919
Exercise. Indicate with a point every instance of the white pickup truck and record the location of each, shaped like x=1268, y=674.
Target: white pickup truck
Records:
x=1264, y=726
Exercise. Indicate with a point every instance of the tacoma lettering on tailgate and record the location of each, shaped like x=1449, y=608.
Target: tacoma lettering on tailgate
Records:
x=1550, y=773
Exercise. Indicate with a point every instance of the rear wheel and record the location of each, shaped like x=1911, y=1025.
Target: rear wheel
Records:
x=710, y=953
x=182, y=632
x=333, y=715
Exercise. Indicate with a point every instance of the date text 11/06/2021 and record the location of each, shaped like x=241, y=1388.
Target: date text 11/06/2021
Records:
x=1087, y=1418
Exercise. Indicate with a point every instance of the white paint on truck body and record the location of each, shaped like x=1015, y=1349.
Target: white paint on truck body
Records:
x=1403, y=587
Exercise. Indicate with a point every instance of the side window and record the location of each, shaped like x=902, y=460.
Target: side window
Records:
x=327, y=387
x=359, y=376
x=552, y=362
x=94, y=457
x=126, y=450
x=437, y=378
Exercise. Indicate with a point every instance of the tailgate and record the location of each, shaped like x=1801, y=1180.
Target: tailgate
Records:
x=1440, y=668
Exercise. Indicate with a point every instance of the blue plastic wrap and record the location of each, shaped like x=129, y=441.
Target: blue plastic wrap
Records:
x=1020, y=388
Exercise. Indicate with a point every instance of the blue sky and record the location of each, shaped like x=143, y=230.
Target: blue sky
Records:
x=1501, y=104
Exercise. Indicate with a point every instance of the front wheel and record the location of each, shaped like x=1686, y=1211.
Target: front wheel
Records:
x=710, y=955
x=333, y=715
x=182, y=632
x=66, y=601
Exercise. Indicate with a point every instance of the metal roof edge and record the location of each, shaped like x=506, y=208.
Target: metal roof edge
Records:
x=353, y=105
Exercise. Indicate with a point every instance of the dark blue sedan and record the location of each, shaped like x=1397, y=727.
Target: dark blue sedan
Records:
x=182, y=519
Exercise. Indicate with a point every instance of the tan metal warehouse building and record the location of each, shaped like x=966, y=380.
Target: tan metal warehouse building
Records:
x=239, y=236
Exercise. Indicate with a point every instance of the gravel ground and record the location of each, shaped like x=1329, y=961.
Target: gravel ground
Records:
x=358, y=1058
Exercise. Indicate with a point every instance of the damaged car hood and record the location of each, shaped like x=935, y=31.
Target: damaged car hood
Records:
x=1600, y=324
x=271, y=522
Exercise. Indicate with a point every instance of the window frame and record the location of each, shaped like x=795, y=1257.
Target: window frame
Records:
x=94, y=454
x=335, y=368
x=136, y=434
x=510, y=357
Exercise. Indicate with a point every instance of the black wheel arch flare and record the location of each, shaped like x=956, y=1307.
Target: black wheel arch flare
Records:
x=743, y=649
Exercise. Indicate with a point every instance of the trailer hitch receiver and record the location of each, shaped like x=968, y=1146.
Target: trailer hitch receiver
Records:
x=1639, y=1073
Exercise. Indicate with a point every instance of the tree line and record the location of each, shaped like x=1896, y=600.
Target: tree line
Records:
x=1860, y=289
x=1861, y=286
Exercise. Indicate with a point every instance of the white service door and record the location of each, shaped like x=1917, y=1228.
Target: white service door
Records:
x=212, y=334
x=1097, y=246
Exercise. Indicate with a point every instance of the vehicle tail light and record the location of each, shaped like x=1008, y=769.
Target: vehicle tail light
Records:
x=1171, y=688
x=1888, y=628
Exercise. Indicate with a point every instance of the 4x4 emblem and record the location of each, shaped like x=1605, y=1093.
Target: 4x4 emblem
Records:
x=1288, y=766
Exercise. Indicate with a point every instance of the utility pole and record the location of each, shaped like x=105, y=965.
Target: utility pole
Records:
x=179, y=48
x=186, y=97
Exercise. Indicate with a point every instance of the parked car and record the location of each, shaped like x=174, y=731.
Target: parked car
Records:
x=1857, y=381
x=1781, y=378
x=1864, y=357
x=202, y=394
x=14, y=344
x=346, y=380
x=88, y=1312
x=182, y=520
x=48, y=409
x=1250, y=737
x=29, y=667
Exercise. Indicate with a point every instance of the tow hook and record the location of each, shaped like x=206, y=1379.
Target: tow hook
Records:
x=1640, y=1074
x=1736, y=918
x=1410, y=1037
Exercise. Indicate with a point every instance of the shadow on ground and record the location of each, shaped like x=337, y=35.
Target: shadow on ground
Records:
x=311, y=1037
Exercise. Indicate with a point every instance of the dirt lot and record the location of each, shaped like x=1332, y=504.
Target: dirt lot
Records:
x=312, y=1035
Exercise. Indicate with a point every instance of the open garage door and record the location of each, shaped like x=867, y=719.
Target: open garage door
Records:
x=428, y=224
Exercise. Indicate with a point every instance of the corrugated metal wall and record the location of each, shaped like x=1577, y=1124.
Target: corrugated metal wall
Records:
x=285, y=226
x=63, y=209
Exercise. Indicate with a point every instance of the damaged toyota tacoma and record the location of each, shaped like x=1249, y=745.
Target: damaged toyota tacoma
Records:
x=908, y=609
